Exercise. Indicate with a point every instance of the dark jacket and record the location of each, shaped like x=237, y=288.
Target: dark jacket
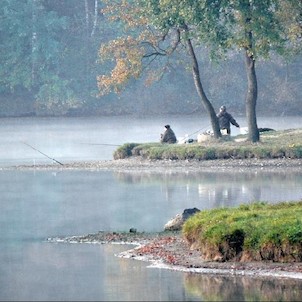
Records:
x=225, y=120
x=168, y=137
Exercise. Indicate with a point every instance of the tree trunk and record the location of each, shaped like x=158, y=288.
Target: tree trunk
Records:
x=251, y=98
x=34, y=42
x=95, y=18
x=87, y=44
x=204, y=100
x=252, y=89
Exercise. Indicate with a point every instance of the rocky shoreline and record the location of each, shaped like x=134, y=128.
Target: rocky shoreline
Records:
x=169, y=250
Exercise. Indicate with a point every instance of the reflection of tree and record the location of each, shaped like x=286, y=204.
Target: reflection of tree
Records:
x=225, y=195
x=168, y=191
x=205, y=177
x=223, y=288
x=215, y=189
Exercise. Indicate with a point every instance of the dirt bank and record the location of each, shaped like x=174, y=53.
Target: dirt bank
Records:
x=169, y=250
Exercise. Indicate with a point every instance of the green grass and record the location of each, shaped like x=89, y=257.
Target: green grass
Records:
x=258, y=231
x=272, y=144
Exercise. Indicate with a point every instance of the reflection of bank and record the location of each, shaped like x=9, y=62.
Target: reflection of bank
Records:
x=209, y=287
x=206, y=189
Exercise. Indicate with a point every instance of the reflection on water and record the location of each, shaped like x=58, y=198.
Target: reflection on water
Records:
x=40, y=271
x=40, y=204
x=239, y=288
x=219, y=189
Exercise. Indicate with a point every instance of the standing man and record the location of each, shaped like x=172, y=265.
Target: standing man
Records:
x=225, y=120
x=168, y=136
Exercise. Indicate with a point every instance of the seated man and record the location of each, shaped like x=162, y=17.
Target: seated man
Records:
x=168, y=136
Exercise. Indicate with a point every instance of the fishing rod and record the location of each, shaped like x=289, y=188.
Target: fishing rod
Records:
x=198, y=130
x=42, y=153
x=100, y=144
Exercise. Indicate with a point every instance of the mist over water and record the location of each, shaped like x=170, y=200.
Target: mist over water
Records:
x=96, y=138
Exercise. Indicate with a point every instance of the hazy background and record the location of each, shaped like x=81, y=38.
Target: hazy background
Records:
x=49, y=63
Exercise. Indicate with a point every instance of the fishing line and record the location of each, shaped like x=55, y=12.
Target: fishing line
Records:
x=42, y=153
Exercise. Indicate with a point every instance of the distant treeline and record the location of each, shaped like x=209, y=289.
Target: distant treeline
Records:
x=49, y=64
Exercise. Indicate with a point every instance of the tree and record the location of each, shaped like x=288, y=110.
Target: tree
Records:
x=255, y=28
x=160, y=31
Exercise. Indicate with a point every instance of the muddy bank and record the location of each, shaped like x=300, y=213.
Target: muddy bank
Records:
x=169, y=250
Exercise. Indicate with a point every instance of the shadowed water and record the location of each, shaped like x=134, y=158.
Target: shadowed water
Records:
x=36, y=205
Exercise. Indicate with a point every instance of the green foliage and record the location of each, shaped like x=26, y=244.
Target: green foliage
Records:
x=261, y=229
x=290, y=15
x=49, y=52
x=31, y=47
x=55, y=97
x=259, y=19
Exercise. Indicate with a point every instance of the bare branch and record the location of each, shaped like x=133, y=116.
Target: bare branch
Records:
x=158, y=51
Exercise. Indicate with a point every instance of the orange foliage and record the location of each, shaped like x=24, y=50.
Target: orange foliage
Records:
x=128, y=52
x=123, y=11
x=127, y=55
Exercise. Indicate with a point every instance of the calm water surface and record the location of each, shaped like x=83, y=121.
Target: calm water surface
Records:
x=36, y=205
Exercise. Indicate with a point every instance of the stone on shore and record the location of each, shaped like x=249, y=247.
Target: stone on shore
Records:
x=176, y=223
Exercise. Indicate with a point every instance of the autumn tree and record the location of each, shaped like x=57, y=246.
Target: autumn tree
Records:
x=161, y=31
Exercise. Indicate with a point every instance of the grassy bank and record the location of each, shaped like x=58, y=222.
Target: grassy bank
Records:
x=273, y=144
x=255, y=232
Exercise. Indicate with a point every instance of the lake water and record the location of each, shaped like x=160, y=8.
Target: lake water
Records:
x=36, y=205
